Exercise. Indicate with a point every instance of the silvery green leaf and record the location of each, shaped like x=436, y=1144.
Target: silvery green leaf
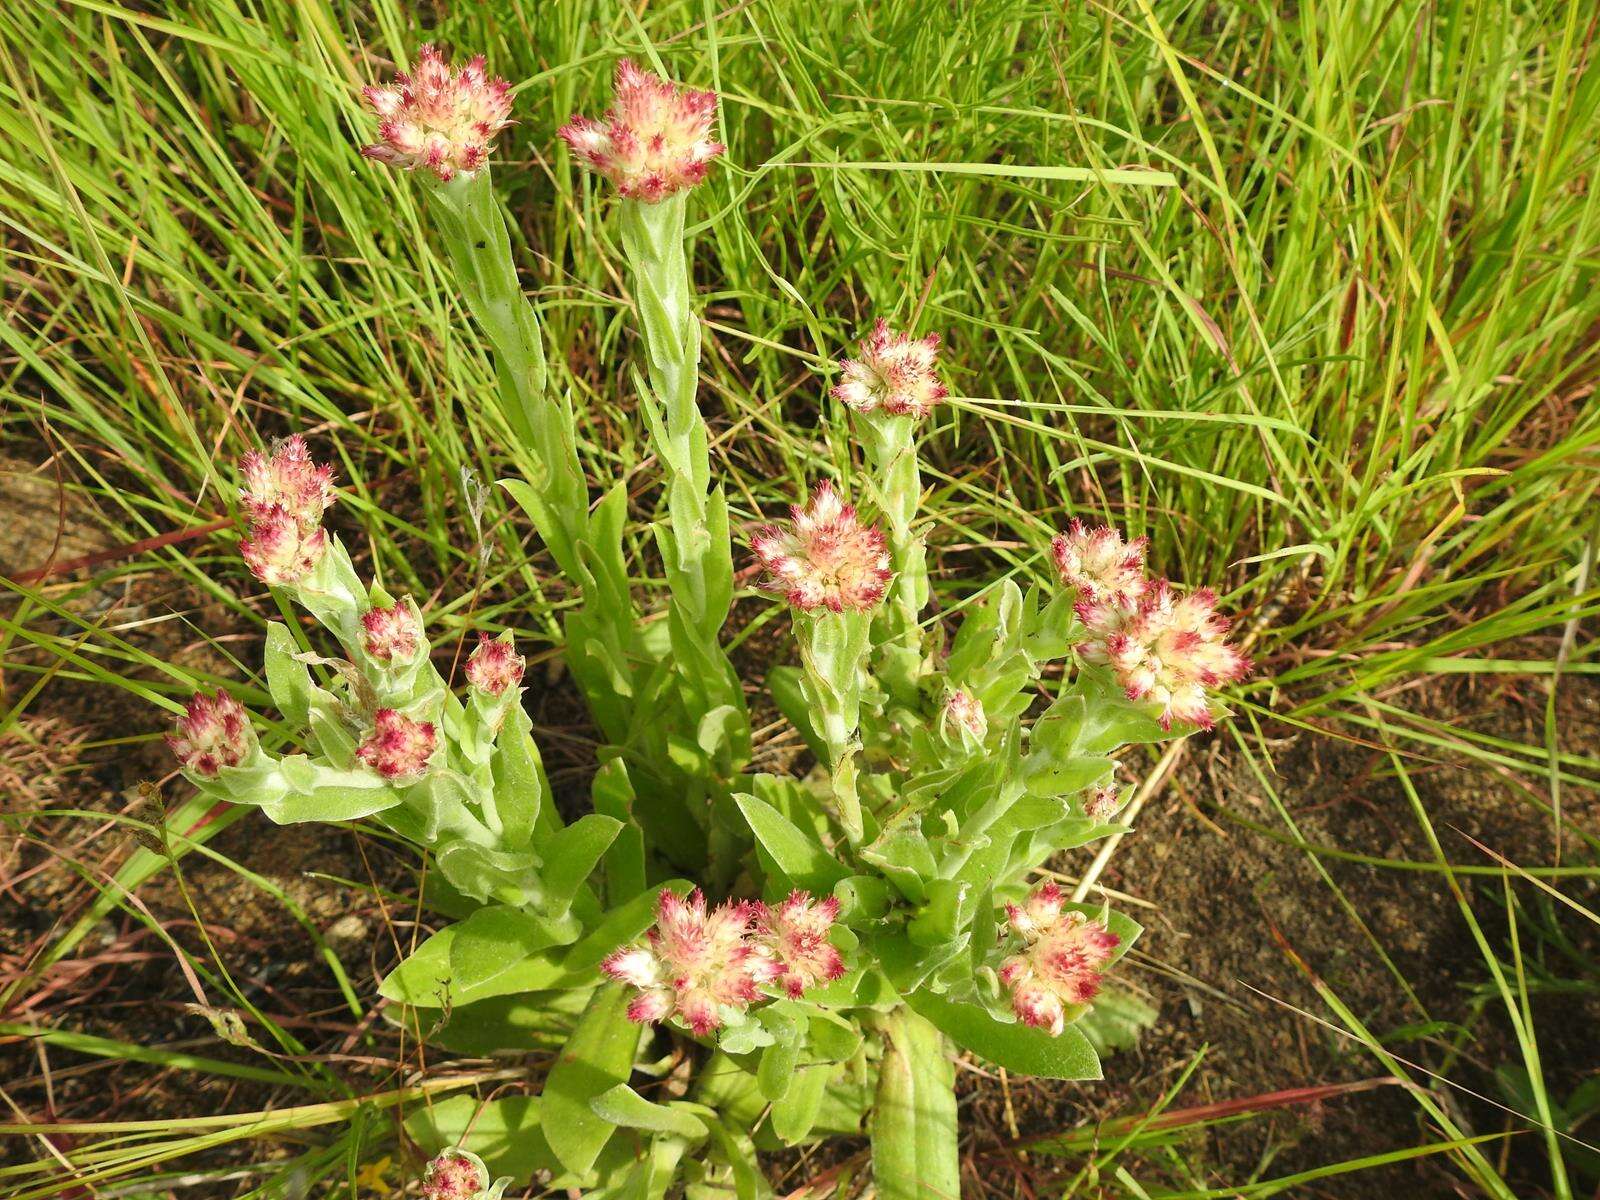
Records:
x=316, y=792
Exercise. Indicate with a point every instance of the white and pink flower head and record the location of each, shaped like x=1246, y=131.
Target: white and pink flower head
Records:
x=1061, y=961
x=399, y=747
x=286, y=481
x=1166, y=648
x=438, y=119
x=494, y=665
x=695, y=962
x=794, y=935
x=654, y=141
x=1098, y=563
x=392, y=634
x=279, y=552
x=895, y=373
x=213, y=733
x=826, y=557
x=283, y=496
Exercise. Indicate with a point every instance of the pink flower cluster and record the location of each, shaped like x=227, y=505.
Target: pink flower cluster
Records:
x=213, y=733
x=1061, y=961
x=392, y=634
x=436, y=119
x=283, y=497
x=653, y=142
x=896, y=373
x=1164, y=646
x=697, y=961
x=399, y=747
x=494, y=665
x=825, y=557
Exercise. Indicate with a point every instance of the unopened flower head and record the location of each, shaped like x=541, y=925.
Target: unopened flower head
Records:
x=436, y=119
x=896, y=373
x=653, y=142
x=399, y=747
x=694, y=963
x=279, y=551
x=213, y=733
x=963, y=713
x=1103, y=803
x=1165, y=647
x=795, y=937
x=1061, y=960
x=286, y=482
x=826, y=556
x=495, y=665
x=1098, y=563
x=455, y=1175
x=392, y=634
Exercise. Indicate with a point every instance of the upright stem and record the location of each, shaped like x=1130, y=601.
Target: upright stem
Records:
x=833, y=648
x=891, y=449
x=694, y=542
x=480, y=251
x=601, y=633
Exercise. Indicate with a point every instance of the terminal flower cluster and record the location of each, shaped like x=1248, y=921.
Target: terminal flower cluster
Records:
x=825, y=557
x=654, y=141
x=700, y=963
x=895, y=373
x=283, y=499
x=438, y=119
x=1165, y=646
x=1061, y=960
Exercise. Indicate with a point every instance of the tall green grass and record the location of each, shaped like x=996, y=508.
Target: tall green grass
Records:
x=1306, y=294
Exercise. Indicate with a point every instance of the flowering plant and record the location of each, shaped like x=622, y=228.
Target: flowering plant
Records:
x=727, y=961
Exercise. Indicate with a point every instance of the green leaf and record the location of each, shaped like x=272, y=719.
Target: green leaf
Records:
x=570, y=857
x=597, y=1057
x=518, y=781
x=612, y=793
x=787, y=688
x=504, y=1133
x=794, y=1114
x=776, y=1070
x=1115, y=1020
x=623, y=1106
x=288, y=679
x=493, y=943
x=1016, y=1047
x=799, y=857
x=914, y=1155
x=321, y=793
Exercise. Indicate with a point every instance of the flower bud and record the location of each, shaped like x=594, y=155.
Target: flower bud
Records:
x=1103, y=803
x=494, y=666
x=393, y=634
x=694, y=962
x=1061, y=960
x=826, y=557
x=896, y=373
x=436, y=119
x=455, y=1175
x=213, y=733
x=794, y=936
x=653, y=142
x=1098, y=563
x=399, y=747
x=285, y=483
x=963, y=714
